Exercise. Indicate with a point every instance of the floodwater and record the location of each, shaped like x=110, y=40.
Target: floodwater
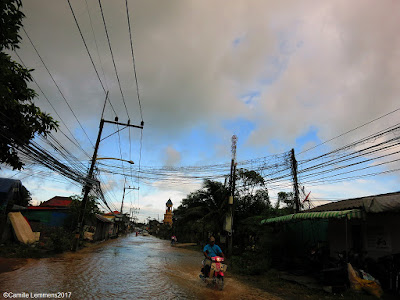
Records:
x=130, y=267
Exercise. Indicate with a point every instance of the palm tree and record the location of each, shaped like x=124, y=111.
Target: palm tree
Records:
x=205, y=207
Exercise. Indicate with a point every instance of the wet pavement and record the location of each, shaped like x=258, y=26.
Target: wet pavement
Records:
x=130, y=267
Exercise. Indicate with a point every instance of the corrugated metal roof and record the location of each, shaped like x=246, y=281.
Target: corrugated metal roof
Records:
x=355, y=202
x=58, y=201
x=115, y=212
x=103, y=219
x=349, y=214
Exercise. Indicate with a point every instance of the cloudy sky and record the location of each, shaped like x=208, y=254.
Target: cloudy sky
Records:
x=278, y=74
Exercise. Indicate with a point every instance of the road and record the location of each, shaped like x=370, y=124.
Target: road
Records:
x=130, y=267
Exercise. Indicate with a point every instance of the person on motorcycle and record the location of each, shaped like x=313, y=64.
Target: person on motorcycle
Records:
x=210, y=250
x=173, y=240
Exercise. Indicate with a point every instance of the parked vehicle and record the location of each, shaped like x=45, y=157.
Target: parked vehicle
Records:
x=213, y=274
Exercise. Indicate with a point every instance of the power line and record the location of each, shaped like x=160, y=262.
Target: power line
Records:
x=357, y=170
x=88, y=52
x=353, y=155
x=112, y=56
x=48, y=71
x=314, y=182
x=95, y=42
x=371, y=137
x=351, y=130
x=76, y=143
x=133, y=59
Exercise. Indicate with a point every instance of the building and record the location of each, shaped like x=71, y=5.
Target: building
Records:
x=364, y=229
x=10, y=191
x=53, y=212
x=168, y=213
x=57, y=202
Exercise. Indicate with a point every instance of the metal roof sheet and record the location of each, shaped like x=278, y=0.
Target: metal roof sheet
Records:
x=393, y=199
x=103, y=219
x=349, y=214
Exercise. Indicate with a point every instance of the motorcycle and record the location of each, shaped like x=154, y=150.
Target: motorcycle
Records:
x=216, y=272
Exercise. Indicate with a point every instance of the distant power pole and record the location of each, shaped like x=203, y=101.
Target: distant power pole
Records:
x=123, y=195
x=295, y=184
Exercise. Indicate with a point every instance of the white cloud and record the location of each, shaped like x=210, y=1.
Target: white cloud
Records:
x=330, y=65
x=172, y=156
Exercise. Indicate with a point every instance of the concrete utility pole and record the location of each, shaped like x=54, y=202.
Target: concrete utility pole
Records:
x=295, y=184
x=232, y=184
x=123, y=196
x=88, y=184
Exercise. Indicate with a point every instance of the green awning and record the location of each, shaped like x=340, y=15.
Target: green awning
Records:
x=350, y=214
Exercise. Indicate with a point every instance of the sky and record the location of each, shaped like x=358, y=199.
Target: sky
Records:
x=278, y=74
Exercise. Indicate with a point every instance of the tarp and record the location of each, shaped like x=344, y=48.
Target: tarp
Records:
x=382, y=204
x=389, y=202
x=22, y=228
x=349, y=214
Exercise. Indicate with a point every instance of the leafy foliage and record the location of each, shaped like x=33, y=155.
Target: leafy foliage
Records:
x=20, y=119
x=25, y=197
x=252, y=195
x=90, y=211
x=202, y=211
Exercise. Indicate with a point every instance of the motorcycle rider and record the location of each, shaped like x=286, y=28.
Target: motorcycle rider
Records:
x=210, y=250
x=173, y=240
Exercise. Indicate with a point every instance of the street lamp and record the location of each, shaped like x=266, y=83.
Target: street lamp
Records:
x=128, y=161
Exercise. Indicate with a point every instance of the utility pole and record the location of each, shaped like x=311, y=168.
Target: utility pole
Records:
x=88, y=184
x=123, y=196
x=232, y=184
x=295, y=184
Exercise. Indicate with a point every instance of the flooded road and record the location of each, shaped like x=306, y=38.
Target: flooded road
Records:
x=130, y=267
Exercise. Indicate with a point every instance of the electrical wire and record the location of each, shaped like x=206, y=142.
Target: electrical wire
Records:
x=48, y=71
x=112, y=56
x=88, y=52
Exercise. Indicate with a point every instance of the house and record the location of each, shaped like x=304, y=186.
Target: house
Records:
x=100, y=229
x=121, y=222
x=374, y=232
x=365, y=229
x=154, y=226
x=10, y=191
x=53, y=212
x=57, y=202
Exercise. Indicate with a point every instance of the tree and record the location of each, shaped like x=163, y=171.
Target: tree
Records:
x=286, y=198
x=25, y=197
x=20, y=119
x=248, y=181
x=91, y=210
x=202, y=211
x=252, y=194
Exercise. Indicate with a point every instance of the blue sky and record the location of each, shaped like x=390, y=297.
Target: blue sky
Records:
x=287, y=75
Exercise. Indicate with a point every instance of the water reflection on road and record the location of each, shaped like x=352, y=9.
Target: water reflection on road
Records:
x=126, y=268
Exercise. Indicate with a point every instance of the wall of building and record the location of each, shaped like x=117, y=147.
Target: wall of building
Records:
x=46, y=217
x=381, y=235
x=376, y=236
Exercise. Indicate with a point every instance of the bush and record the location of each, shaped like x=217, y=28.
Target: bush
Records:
x=251, y=263
x=56, y=239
